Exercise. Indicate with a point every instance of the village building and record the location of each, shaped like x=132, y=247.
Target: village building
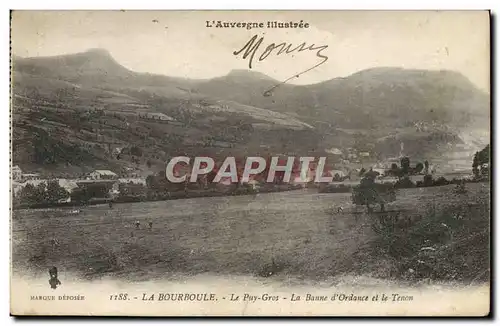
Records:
x=19, y=176
x=221, y=144
x=351, y=156
x=156, y=116
x=380, y=171
x=191, y=142
x=30, y=176
x=334, y=151
x=68, y=184
x=103, y=175
x=133, y=180
x=17, y=173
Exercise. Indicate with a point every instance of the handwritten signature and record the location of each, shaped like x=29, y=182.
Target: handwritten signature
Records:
x=252, y=46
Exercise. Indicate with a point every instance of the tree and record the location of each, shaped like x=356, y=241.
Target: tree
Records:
x=55, y=192
x=31, y=194
x=151, y=181
x=86, y=192
x=131, y=190
x=428, y=182
x=370, y=176
x=368, y=193
x=475, y=165
x=484, y=155
x=27, y=194
x=405, y=165
x=419, y=167
x=80, y=195
x=481, y=158
x=426, y=167
x=485, y=171
x=135, y=151
x=40, y=193
x=394, y=170
x=337, y=177
x=404, y=182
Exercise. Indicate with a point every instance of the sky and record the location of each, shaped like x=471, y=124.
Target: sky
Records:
x=178, y=43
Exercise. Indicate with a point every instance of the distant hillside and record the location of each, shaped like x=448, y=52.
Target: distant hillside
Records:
x=373, y=110
x=371, y=98
x=95, y=67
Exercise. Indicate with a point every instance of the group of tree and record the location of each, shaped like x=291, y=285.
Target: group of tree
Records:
x=132, y=190
x=83, y=194
x=369, y=193
x=481, y=163
x=159, y=183
x=132, y=151
x=406, y=169
x=43, y=193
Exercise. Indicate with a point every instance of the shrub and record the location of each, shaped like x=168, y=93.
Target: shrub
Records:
x=419, y=167
x=370, y=193
x=55, y=192
x=404, y=183
x=447, y=243
x=441, y=181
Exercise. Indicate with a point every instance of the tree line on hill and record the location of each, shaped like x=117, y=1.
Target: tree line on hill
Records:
x=158, y=187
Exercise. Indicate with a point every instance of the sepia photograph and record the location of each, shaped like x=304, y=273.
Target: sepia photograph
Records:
x=250, y=163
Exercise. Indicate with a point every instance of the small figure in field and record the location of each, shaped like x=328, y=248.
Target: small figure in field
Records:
x=137, y=224
x=110, y=205
x=54, y=242
x=150, y=225
x=131, y=234
x=340, y=209
x=54, y=281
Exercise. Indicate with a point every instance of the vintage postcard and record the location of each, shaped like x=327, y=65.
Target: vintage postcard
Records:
x=250, y=163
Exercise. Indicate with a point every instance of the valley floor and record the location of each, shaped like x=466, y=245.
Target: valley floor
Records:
x=428, y=233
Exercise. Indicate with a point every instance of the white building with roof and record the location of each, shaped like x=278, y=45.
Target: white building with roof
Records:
x=30, y=176
x=103, y=175
x=156, y=116
x=334, y=151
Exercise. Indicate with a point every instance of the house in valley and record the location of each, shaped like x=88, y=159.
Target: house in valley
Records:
x=103, y=175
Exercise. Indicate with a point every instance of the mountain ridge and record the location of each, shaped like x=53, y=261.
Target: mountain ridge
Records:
x=375, y=103
x=385, y=91
x=101, y=54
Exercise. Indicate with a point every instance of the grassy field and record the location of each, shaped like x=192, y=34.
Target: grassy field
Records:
x=297, y=233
